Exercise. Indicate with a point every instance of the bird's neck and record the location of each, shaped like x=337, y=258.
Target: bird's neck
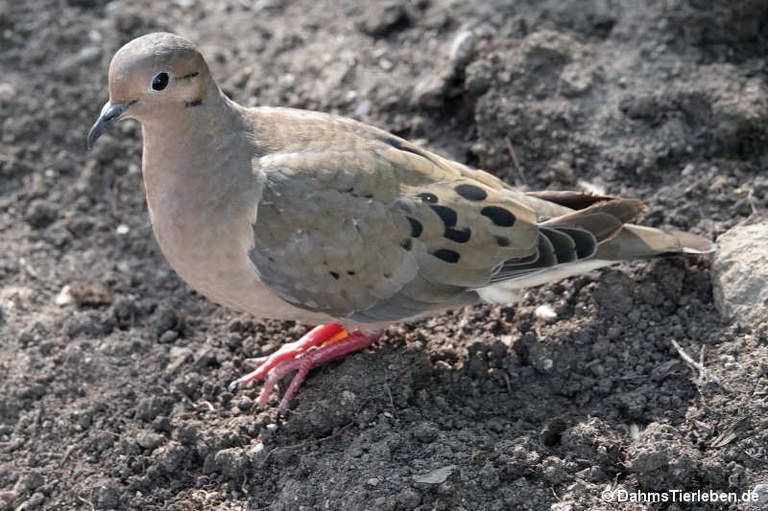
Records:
x=197, y=173
x=195, y=150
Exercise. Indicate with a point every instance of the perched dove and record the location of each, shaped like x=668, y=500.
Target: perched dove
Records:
x=317, y=218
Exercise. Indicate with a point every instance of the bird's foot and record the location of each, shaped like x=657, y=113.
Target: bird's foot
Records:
x=315, y=348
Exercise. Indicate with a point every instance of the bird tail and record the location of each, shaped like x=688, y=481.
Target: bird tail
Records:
x=607, y=219
x=599, y=236
x=636, y=241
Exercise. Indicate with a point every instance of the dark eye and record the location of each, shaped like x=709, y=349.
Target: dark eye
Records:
x=160, y=81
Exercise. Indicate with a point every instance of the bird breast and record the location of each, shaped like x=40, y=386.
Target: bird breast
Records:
x=203, y=223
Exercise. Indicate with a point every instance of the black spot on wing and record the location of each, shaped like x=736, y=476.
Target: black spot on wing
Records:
x=499, y=216
x=449, y=256
x=416, y=227
x=334, y=275
x=446, y=214
x=471, y=192
x=458, y=235
x=502, y=241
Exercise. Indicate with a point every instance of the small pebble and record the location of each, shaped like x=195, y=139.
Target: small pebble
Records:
x=7, y=93
x=545, y=312
x=149, y=439
x=462, y=48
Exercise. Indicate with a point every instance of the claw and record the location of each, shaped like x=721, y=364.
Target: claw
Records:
x=318, y=346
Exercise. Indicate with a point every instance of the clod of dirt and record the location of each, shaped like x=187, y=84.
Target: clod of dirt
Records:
x=658, y=459
x=385, y=18
x=430, y=92
x=41, y=214
x=614, y=292
x=149, y=439
x=84, y=294
x=232, y=463
x=593, y=437
x=437, y=476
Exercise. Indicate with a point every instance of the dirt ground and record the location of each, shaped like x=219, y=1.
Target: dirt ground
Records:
x=113, y=394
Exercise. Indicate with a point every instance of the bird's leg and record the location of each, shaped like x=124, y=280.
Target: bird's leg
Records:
x=288, y=352
x=318, y=346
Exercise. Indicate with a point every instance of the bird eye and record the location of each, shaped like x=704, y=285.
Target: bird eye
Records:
x=160, y=81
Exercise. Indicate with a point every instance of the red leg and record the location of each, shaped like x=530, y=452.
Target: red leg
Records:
x=315, y=337
x=318, y=346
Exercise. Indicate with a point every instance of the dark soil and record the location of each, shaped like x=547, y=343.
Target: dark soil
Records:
x=113, y=392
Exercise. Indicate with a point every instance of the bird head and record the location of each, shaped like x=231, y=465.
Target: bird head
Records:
x=150, y=78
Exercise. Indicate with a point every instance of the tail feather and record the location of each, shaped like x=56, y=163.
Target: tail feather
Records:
x=570, y=199
x=572, y=237
x=693, y=243
x=635, y=242
x=580, y=241
x=603, y=219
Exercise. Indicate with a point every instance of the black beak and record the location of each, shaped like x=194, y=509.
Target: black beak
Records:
x=110, y=114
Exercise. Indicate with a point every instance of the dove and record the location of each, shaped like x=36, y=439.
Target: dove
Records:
x=320, y=219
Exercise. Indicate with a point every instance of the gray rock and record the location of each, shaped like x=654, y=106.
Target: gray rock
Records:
x=740, y=274
x=149, y=439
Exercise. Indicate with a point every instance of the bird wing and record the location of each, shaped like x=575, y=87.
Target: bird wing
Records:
x=360, y=224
